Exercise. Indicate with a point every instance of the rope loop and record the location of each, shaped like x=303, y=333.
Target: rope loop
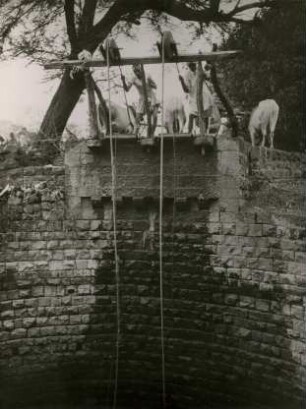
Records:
x=117, y=275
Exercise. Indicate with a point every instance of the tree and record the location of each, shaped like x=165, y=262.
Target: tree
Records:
x=87, y=23
x=272, y=66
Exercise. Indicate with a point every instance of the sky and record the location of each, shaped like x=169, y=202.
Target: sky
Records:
x=25, y=94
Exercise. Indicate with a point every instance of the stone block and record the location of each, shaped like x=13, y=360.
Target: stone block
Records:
x=7, y=314
x=263, y=252
x=52, y=244
x=19, y=333
x=264, y=264
x=269, y=230
x=246, y=274
x=95, y=225
x=297, y=312
x=45, y=302
x=262, y=305
x=214, y=228
x=18, y=304
x=29, y=322
x=255, y=230
x=83, y=224
x=266, y=287
x=241, y=229
x=295, y=268
x=37, y=291
x=246, y=302
x=8, y=325
x=25, y=266
x=57, y=255
x=85, y=289
x=300, y=257
x=228, y=228
x=244, y=333
x=231, y=299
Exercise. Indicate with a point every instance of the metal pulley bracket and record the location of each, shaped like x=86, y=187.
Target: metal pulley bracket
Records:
x=113, y=51
x=167, y=46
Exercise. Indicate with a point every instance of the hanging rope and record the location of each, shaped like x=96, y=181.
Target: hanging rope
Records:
x=117, y=277
x=174, y=171
x=114, y=56
x=161, y=289
x=125, y=99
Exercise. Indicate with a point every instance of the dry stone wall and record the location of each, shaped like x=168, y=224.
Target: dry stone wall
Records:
x=234, y=280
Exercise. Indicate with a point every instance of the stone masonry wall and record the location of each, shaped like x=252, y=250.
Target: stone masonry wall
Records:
x=234, y=282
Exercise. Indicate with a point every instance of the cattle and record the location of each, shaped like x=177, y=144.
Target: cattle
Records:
x=263, y=121
x=174, y=115
x=122, y=122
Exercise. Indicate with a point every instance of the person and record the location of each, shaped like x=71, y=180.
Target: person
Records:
x=190, y=87
x=141, y=106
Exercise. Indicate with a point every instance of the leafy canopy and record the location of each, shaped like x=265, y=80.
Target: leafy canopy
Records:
x=272, y=66
x=48, y=29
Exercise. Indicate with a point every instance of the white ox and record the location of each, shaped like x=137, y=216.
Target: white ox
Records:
x=120, y=119
x=177, y=107
x=174, y=103
x=263, y=120
x=174, y=115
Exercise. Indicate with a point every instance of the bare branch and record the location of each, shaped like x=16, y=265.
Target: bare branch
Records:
x=256, y=4
x=237, y=4
x=179, y=10
x=15, y=20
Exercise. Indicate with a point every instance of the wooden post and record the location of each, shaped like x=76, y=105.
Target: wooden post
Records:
x=223, y=98
x=147, y=105
x=103, y=108
x=199, y=85
x=93, y=121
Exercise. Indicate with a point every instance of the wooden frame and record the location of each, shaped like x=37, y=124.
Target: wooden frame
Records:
x=212, y=56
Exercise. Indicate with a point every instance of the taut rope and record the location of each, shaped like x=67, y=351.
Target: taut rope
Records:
x=113, y=172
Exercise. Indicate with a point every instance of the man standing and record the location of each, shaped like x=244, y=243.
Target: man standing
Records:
x=149, y=92
x=190, y=87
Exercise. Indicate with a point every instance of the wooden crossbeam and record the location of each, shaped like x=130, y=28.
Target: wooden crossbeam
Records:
x=212, y=56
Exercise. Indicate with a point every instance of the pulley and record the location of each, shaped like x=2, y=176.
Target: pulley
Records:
x=113, y=51
x=169, y=46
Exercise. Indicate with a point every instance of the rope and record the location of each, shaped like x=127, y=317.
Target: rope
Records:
x=125, y=99
x=113, y=171
x=174, y=199
x=161, y=290
x=177, y=69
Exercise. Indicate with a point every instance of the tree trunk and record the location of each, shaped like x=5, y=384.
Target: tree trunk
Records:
x=62, y=105
x=70, y=90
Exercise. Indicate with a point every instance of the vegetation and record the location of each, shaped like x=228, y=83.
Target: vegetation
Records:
x=272, y=66
x=37, y=151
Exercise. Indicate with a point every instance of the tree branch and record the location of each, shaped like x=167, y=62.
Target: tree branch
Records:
x=88, y=15
x=13, y=21
x=256, y=4
x=100, y=30
x=70, y=23
x=179, y=10
x=214, y=5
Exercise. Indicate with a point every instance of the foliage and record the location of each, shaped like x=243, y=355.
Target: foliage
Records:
x=44, y=29
x=272, y=66
x=37, y=151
